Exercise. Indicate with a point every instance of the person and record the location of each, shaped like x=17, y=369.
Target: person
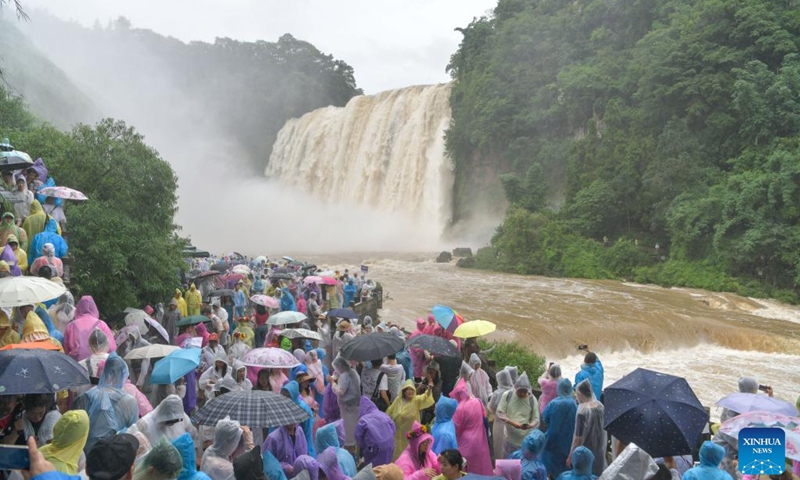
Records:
x=76, y=336
x=98, y=345
x=327, y=437
x=375, y=384
x=8, y=335
x=349, y=293
x=418, y=356
x=171, y=318
x=167, y=420
x=591, y=370
x=69, y=437
x=193, y=301
x=37, y=177
x=589, y=430
x=395, y=374
x=48, y=259
x=417, y=461
x=245, y=329
x=529, y=453
x=519, y=411
x=559, y=417
x=212, y=351
x=215, y=372
x=470, y=430
x=305, y=468
x=287, y=300
x=239, y=300
x=582, y=466
x=374, y=434
x=162, y=462
x=48, y=235
x=21, y=198
x=443, y=430
x=479, y=382
x=318, y=372
x=711, y=456
x=312, y=306
x=549, y=385
x=37, y=420
x=9, y=227
x=63, y=312
x=181, y=303
x=329, y=465
x=185, y=446
x=405, y=410
x=251, y=466
x=504, y=385
x=34, y=223
x=341, y=337
x=112, y=457
x=452, y=464
x=432, y=377
x=292, y=391
x=110, y=409
x=286, y=443
x=346, y=385
x=240, y=375
x=216, y=462
x=19, y=254
x=55, y=211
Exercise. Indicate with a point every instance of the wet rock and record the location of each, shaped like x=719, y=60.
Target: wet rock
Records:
x=444, y=257
x=466, y=262
x=462, y=252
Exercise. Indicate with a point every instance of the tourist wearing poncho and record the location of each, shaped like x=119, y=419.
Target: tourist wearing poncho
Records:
x=549, y=385
x=181, y=303
x=327, y=437
x=76, y=336
x=504, y=384
x=8, y=335
x=518, y=409
x=69, y=437
x=286, y=444
x=417, y=461
x=306, y=466
x=559, y=416
x=217, y=458
x=347, y=388
x=529, y=454
x=711, y=456
x=185, y=446
x=479, y=382
x=418, y=359
x=329, y=464
x=471, y=431
x=374, y=434
x=193, y=301
x=582, y=465
x=292, y=391
x=444, y=431
x=589, y=431
x=404, y=411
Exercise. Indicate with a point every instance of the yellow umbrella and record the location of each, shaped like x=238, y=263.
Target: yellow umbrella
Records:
x=474, y=328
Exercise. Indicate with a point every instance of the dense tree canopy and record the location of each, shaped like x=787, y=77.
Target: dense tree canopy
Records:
x=673, y=122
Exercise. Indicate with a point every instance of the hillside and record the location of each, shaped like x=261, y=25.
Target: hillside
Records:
x=622, y=124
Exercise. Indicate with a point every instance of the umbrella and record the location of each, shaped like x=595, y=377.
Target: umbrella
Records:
x=435, y=345
x=18, y=291
x=443, y=315
x=144, y=321
x=371, y=346
x=749, y=402
x=62, y=192
x=193, y=320
x=286, y=318
x=220, y=267
x=312, y=279
x=343, y=313
x=280, y=276
x=295, y=263
x=223, y=292
x=326, y=273
x=660, y=413
x=761, y=419
x=329, y=280
x=288, y=259
x=475, y=328
x=269, y=357
x=261, y=258
x=265, y=301
x=300, y=333
x=122, y=335
x=255, y=409
x=243, y=269
x=11, y=159
x=175, y=365
x=38, y=371
x=150, y=351
x=207, y=273
x=44, y=344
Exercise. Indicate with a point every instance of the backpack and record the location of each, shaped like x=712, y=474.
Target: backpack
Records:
x=531, y=399
x=377, y=399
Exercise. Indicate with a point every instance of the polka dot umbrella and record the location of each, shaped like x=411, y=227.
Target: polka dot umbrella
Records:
x=658, y=412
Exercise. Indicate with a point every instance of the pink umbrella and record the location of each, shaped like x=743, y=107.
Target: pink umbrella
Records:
x=265, y=301
x=313, y=279
x=62, y=192
x=122, y=335
x=329, y=280
x=762, y=419
x=270, y=358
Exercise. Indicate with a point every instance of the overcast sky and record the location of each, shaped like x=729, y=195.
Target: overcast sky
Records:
x=390, y=43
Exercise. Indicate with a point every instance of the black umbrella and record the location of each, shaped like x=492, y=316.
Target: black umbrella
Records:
x=282, y=270
x=371, y=346
x=658, y=412
x=225, y=292
x=280, y=276
x=38, y=371
x=11, y=159
x=255, y=408
x=435, y=345
x=220, y=267
x=343, y=313
x=193, y=320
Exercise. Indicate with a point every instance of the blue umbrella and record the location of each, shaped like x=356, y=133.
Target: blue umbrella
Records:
x=443, y=315
x=343, y=313
x=658, y=412
x=25, y=371
x=175, y=365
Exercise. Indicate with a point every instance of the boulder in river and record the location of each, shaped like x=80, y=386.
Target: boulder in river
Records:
x=462, y=252
x=444, y=257
x=466, y=262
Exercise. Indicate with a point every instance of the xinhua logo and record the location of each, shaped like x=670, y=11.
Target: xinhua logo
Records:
x=762, y=451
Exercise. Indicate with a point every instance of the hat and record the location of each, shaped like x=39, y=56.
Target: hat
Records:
x=112, y=457
x=8, y=214
x=344, y=326
x=213, y=337
x=12, y=239
x=303, y=377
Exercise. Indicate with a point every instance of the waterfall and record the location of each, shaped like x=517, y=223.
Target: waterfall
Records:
x=383, y=151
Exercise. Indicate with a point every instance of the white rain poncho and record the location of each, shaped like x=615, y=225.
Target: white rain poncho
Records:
x=162, y=462
x=632, y=464
x=63, y=312
x=239, y=367
x=98, y=346
x=216, y=461
x=479, y=382
x=589, y=425
x=212, y=375
x=109, y=408
x=162, y=421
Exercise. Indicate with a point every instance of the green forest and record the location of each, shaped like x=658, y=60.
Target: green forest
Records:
x=631, y=123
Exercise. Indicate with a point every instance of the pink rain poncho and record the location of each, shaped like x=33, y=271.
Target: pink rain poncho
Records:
x=76, y=336
x=409, y=460
x=418, y=360
x=471, y=431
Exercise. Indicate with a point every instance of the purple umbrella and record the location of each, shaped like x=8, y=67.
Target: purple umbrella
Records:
x=750, y=402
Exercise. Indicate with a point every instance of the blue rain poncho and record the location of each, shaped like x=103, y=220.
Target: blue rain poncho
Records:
x=444, y=430
x=532, y=447
x=272, y=467
x=109, y=408
x=582, y=461
x=185, y=446
x=327, y=437
x=308, y=426
x=594, y=373
x=711, y=456
x=287, y=301
x=559, y=416
x=48, y=235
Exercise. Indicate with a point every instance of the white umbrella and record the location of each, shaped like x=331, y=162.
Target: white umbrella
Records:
x=141, y=319
x=18, y=291
x=301, y=333
x=243, y=269
x=151, y=351
x=261, y=258
x=284, y=318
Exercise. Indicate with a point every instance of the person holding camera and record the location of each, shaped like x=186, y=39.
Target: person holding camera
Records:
x=592, y=370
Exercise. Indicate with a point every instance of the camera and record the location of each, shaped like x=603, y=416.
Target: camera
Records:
x=764, y=388
x=583, y=347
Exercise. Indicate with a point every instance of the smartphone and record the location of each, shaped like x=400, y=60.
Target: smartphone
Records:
x=763, y=388
x=583, y=347
x=14, y=457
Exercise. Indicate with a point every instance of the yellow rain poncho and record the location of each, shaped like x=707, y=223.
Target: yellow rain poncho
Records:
x=22, y=257
x=404, y=413
x=69, y=438
x=181, y=303
x=34, y=330
x=8, y=335
x=193, y=301
x=34, y=223
x=245, y=328
x=8, y=227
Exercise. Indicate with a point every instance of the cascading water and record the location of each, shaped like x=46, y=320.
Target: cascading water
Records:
x=384, y=151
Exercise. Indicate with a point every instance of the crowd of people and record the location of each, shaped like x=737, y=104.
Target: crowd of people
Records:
x=412, y=415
